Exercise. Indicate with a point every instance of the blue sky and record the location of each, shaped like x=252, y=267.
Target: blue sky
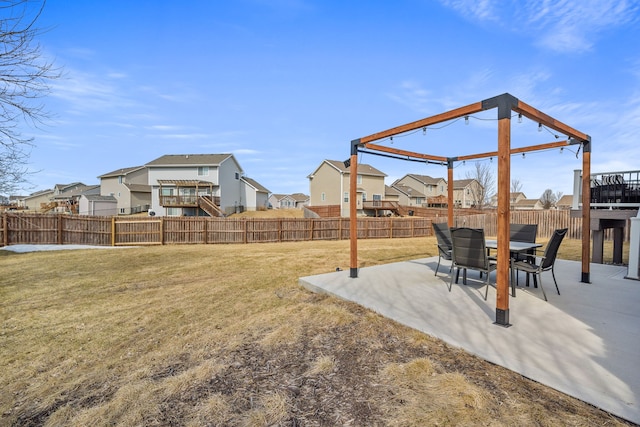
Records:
x=284, y=84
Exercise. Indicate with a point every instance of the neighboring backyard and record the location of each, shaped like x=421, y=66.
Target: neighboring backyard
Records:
x=223, y=335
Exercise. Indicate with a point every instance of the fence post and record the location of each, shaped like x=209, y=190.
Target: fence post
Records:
x=162, y=230
x=390, y=228
x=113, y=231
x=205, y=231
x=60, y=229
x=5, y=228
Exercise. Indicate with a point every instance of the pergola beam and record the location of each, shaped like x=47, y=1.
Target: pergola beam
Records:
x=548, y=121
x=438, y=118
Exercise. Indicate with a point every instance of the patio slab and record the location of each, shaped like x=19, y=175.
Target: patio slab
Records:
x=585, y=342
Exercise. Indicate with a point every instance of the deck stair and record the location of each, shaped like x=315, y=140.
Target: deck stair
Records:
x=207, y=205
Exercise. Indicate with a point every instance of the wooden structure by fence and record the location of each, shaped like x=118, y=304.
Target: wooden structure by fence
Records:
x=21, y=228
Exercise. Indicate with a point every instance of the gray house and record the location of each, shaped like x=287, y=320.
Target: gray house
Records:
x=255, y=195
x=195, y=184
x=130, y=188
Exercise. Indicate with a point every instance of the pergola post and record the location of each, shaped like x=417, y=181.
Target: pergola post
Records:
x=504, y=179
x=450, y=192
x=353, y=209
x=586, y=210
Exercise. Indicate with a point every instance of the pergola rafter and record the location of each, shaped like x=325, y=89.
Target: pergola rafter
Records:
x=505, y=104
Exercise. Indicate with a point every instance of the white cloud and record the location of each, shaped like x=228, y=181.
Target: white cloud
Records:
x=559, y=25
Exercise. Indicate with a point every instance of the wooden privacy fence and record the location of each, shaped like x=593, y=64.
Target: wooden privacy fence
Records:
x=20, y=228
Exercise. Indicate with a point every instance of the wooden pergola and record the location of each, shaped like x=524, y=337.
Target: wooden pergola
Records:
x=505, y=104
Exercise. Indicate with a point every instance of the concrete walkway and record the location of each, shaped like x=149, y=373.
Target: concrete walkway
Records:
x=585, y=342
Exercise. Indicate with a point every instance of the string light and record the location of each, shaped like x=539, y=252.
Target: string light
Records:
x=523, y=155
x=391, y=139
x=466, y=120
x=519, y=117
x=424, y=130
x=539, y=127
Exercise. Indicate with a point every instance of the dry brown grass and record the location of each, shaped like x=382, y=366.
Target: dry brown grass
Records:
x=223, y=335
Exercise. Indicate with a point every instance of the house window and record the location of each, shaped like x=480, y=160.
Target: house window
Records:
x=323, y=196
x=203, y=171
x=120, y=179
x=359, y=179
x=118, y=194
x=364, y=196
x=172, y=212
x=346, y=196
x=122, y=210
x=237, y=175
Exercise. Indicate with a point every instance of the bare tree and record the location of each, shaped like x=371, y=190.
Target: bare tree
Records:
x=516, y=186
x=485, y=177
x=548, y=199
x=24, y=81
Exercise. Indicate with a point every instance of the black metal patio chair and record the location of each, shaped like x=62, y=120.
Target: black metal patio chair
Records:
x=443, y=236
x=469, y=252
x=545, y=262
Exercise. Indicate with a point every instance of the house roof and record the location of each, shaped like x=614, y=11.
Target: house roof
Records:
x=300, y=197
x=391, y=191
x=139, y=188
x=97, y=197
x=189, y=160
x=527, y=202
x=426, y=179
x=566, y=200
x=39, y=193
x=186, y=182
x=255, y=184
x=363, y=168
x=409, y=191
x=462, y=183
x=121, y=171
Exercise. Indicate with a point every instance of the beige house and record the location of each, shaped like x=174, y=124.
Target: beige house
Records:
x=467, y=193
x=513, y=198
x=408, y=196
x=528, y=204
x=565, y=202
x=329, y=185
x=130, y=187
x=34, y=201
x=427, y=186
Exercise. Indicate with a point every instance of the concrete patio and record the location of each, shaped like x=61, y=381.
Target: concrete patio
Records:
x=585, y=342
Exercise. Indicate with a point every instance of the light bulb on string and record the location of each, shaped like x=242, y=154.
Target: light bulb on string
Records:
x=519, y=117
x=539, y=127
x=424, y=130
x=466, y=120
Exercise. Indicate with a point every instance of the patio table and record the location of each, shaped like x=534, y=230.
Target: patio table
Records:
x=514, y=247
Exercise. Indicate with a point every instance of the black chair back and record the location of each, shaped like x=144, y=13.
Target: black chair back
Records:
x=469, y=248
x=443, y=236
x=551, y=250
x=523, y=232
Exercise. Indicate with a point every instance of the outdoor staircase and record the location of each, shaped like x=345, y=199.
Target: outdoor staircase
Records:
x=207, y=205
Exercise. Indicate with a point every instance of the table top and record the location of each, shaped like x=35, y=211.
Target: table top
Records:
x=513, y=246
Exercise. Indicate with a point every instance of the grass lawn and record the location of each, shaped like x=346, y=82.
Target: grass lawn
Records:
x=222, y=335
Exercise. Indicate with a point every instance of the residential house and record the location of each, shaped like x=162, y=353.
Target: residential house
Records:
x=408, y=196
x=195, y=184
x=424, y=184
x=34, y=201
x=467, y=193
x=95, y=204
x=282, y=201
x=329, y=185
x=255, y=195
x=528, y=204
x=130, y=187
x=301, y=200
x=513, y=198
x=391, y=194
x=565, y=202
